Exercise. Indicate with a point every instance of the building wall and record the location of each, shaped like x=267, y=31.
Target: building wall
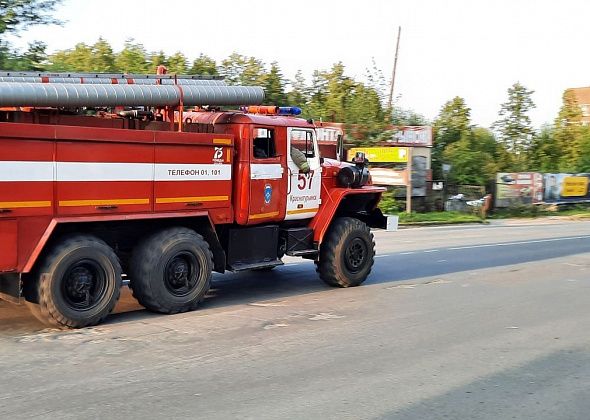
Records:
x=583, y=98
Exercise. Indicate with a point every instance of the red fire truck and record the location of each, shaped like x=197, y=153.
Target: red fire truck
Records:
x=107, y=176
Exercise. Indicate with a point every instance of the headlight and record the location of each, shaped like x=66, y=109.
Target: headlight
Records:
x=353, y=176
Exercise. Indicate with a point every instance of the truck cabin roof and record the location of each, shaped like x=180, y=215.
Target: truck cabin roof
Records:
x=238, y=117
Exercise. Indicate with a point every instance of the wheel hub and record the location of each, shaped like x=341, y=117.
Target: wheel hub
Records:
x=355, y=255
x=180, y=274
x=84, y=285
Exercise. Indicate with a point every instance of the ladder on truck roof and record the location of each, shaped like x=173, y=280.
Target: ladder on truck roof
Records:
x=4, y=73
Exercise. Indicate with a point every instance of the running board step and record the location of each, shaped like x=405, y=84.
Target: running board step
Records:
x=254, y=266
x=303, y=253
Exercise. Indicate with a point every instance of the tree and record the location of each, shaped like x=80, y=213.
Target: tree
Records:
x=274, y=86
x=157, y=59
x=584, y=162
x=514, y=127
x=133, y=58
x=471, y=158
x=204, y=65
x=18, y=14
x=231, y=68
x=177, y=63
x=568, y=132
x=33, y=59
x=544, y=154
x=78, y=59
x=363, y=109
x=400, y=116
x=452, y=122
x=103, y=59
x=298, y=95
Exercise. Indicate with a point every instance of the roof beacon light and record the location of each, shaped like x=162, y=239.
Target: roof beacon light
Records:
x=263, y=110
x=271, y=110
x=289, y=110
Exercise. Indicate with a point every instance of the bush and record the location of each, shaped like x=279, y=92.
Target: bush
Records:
x=388, y=203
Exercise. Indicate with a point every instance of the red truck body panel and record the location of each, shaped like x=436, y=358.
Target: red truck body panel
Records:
x=50, y=172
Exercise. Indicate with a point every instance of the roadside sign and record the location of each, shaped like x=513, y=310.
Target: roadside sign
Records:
x=381, y=154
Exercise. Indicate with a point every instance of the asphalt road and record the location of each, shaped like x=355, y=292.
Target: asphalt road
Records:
x=472, y=322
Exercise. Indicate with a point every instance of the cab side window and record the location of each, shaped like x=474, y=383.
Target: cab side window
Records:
x=264, y=143
x=303, y=140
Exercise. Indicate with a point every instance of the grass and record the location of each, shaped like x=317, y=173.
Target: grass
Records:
x=438, y=218
x=579, y=210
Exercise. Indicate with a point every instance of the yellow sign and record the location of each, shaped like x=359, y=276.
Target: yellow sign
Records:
x=381, y=154
x=574, y=186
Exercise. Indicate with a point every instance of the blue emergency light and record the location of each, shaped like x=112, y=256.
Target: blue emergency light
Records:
x=289, y=110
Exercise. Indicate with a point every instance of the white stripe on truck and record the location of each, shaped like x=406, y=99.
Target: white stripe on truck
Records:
x=29, y=171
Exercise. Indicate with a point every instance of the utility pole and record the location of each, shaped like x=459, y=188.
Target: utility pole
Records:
x=390, y=102
x=409, y=188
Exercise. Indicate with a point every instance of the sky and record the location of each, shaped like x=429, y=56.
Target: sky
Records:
x=475, y=49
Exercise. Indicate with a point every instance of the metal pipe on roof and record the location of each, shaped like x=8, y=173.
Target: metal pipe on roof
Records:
x=97, y=95
x=111, y=81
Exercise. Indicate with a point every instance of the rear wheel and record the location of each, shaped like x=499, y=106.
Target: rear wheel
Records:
x=171, y=271
x=78, y=283
x=347, y=253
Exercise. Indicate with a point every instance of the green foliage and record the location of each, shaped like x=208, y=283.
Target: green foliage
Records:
x=298, y=95
x=568, y=133
x=407, y=117
x=177, y=63
x=438, y=218
x=274, y=86
x=33, y=59
x=204, y=65
x=453, y=120
x=584, y=161
x=388, y=203
x=544, y=153
x=514, y=127
x=18, y=14
x=102, y=57
x=133, y=59
x=472, y=158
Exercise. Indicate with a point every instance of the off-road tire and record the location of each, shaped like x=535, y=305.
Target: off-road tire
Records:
x=50, y=284
x=346, y=235
x=152, y=275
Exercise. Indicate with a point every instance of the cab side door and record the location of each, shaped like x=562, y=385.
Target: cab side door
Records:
x=266, y=175
x=303, y=189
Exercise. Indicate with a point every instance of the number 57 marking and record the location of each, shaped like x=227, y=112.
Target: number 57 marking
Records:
x=305, y=180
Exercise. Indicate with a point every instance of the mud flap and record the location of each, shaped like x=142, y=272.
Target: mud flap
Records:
x=10, y=287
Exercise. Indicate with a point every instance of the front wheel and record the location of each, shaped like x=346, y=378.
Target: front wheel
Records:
x=347, y=253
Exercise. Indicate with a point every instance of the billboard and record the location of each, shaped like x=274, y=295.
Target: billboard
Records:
x=518, y=188
x=566, y=188
x=381, y=154
x=386, y=176
x=411, y=136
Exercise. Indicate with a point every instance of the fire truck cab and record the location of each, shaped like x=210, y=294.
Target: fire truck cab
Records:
x=167, y=200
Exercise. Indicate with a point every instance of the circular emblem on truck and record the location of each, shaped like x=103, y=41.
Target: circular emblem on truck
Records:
x=267, y=193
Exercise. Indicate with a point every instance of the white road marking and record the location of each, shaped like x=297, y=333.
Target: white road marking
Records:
x=383, y=255
x=431, y=250
x=534, y=241
x=407, y=253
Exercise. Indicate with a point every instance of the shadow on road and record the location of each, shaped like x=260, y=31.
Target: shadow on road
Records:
x=299, y=279
x=551, y=387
